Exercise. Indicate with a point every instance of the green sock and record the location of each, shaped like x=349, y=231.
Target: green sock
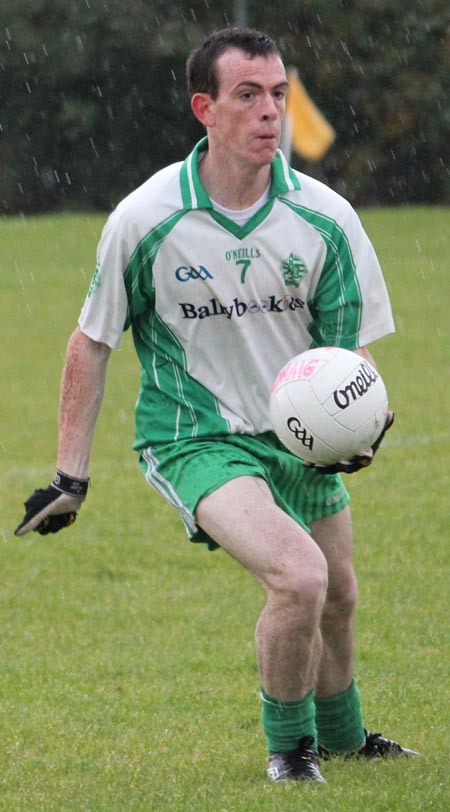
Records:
x=285, y=723
x=339, y=721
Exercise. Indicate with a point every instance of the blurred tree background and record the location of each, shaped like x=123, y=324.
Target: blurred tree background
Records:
x=93, y=95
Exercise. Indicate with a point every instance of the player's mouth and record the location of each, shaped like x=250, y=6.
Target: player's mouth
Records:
x=268, y=138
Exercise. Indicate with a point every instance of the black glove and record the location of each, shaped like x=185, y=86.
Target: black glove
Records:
x=360, y=461
x=50, y=509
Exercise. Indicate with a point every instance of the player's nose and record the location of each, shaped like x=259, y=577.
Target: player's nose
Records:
x=270, y=110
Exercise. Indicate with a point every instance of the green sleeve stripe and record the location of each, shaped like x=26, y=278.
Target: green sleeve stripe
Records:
x=337, y=297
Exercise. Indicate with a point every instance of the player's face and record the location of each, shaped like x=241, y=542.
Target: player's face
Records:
x=248, y=111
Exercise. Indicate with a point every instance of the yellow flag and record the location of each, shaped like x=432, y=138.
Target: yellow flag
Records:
x=306, y=130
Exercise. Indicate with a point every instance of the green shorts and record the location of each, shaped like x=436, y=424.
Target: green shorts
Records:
x=187, y=470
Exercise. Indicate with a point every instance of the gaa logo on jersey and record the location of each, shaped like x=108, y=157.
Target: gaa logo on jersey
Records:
x=186, y=272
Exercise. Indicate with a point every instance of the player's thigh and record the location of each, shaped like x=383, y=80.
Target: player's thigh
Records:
x=244, y=519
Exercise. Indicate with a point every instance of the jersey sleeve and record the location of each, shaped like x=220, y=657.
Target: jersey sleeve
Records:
x=104, y=315
x=350, y=305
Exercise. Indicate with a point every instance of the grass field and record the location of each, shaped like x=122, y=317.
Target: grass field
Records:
x=128, y=681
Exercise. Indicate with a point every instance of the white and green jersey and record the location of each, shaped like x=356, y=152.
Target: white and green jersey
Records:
x=216, y=309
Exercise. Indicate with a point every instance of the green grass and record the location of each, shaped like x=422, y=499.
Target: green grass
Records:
x=128, y=678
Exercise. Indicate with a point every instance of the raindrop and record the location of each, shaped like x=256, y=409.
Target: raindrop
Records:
x=94, y=148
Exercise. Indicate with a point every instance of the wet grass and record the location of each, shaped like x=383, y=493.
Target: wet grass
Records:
x=128, y=679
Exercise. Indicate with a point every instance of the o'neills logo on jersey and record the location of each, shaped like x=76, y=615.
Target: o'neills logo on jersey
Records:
x=364, y=378
x=238, y=308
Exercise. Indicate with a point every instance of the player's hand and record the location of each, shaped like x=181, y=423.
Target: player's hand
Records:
x=50, y=509
x=362, y=460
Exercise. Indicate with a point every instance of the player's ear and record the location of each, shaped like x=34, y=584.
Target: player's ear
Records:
x=203, y=108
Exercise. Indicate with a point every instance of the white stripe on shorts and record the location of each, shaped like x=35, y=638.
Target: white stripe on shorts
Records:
x=166, y=489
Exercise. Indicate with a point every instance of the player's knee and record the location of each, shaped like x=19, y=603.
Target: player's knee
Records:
x=300, y=582
x=341, y=599
x=312, y=586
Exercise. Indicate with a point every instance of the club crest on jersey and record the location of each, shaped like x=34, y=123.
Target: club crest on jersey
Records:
x=293, y=269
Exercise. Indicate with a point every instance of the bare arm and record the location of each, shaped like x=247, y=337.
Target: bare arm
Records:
x=82, y=388
x=83, y=382
x=364, y=353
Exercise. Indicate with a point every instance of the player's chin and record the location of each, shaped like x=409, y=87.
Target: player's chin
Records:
x=265, y=151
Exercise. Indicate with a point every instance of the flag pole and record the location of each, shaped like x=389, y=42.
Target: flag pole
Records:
x=240, y=12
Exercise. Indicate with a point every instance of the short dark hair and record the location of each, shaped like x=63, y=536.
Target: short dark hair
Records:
x=201, y=65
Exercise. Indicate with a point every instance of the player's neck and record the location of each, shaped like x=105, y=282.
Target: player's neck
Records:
x=232, y=185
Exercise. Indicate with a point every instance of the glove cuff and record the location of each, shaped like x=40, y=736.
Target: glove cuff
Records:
x=69, y=484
